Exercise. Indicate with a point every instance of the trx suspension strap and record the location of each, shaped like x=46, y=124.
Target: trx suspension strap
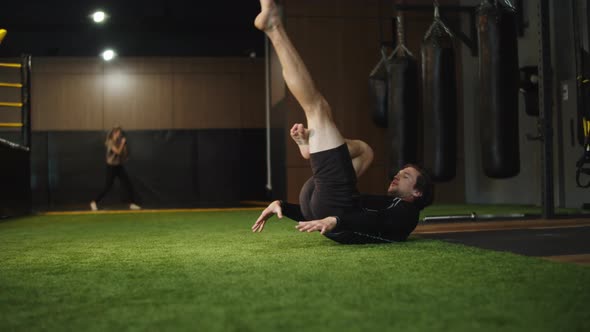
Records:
x=583, y=92
x=585, y=159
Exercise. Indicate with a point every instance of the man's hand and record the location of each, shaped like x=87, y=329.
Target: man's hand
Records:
x=321, y=225
x=272, y=209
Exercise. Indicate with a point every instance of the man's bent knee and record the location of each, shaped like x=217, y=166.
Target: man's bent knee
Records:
x=319, y=112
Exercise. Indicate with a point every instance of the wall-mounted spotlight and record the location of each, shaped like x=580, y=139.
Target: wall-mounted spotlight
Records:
x=108, y=55
x=99, y=16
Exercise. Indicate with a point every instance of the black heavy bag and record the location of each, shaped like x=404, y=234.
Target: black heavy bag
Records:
x=379, y=91
x=403, y=103
x=498, y=90
x=439, y=102
x=403, y=111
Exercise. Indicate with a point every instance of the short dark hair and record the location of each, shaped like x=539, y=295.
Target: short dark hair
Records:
x=424, y=185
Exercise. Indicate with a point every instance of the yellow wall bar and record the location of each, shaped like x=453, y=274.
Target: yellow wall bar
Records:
x=11, y=85
x=11, y=104
x=11, y=124
x=2, y=34
x=11, y=65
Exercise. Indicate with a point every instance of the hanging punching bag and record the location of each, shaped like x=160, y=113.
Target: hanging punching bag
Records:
x=403, y=105
x=379, y=91
x=439, y=101
x=498, y=89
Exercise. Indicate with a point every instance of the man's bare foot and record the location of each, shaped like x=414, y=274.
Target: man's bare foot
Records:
x=269, y=17
x=300, y=135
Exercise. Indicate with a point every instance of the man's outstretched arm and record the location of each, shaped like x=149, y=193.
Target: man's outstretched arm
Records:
x=363, y=221
x=391, y=222
x=280, y=208
x=272, y=209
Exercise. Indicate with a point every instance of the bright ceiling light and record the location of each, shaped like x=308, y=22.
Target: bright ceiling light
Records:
x=108, y=55
x=99, y=16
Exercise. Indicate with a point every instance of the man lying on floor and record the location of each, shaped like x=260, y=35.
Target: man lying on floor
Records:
x=329, y=200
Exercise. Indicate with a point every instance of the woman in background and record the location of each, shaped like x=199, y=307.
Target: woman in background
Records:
x=116, y=156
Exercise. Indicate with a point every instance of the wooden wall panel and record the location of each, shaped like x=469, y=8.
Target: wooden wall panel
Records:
x=67, y=65
x=67, y=102
x=214, y=65
x=153, y=65
x=148, y=93
x=278, y=90
x=207, y=101
x=138, y=101
x=252, y=104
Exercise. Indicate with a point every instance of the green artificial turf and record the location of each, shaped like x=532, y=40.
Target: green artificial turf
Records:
x=205, y=271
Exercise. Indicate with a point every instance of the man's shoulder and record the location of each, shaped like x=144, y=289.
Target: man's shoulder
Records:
x=402, y=210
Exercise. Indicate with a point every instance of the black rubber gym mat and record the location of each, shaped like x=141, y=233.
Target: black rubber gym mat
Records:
x=529, y=242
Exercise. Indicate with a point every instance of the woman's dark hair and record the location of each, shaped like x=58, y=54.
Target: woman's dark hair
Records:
x=110, y=134
x=424, y=185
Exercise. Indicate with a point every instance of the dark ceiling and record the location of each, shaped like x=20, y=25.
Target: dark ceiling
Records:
x=134, y=28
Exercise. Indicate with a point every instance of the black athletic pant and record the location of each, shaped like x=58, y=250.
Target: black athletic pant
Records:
x=331, y=191
x=113, y=171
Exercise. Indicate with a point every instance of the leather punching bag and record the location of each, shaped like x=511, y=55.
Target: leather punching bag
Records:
x=379, y=91
x=403, y=105
x=439, y=101
x=498, y=89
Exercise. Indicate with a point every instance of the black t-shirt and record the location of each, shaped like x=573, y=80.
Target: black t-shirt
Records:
x=379, y=216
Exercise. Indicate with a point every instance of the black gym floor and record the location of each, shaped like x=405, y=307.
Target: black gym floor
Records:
x=561, y=240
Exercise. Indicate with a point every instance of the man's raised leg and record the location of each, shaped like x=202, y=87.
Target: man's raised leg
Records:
x=334, y=189
x=323, y=133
